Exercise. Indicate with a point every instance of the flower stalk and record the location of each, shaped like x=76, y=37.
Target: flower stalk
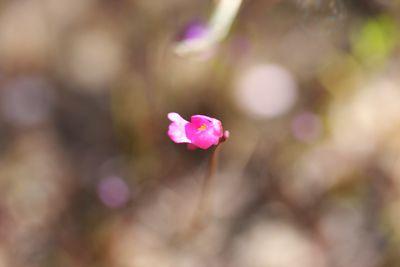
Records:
x=201, y=132
x=203, y=207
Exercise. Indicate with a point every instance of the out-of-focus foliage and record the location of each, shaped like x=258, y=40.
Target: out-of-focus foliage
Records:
x=376, y=40
x=309, y=90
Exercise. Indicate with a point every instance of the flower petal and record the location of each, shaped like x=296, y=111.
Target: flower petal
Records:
x=175, y=117
x=201, y=138
x=176, y=130
x=201, y=132
x=210, y=122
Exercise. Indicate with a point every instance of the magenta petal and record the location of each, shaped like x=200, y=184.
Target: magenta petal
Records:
x=201, y=132
x=176, y=130
x=201, y=138
x=215, y=124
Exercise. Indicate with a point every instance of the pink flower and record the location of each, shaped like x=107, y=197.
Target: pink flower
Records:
x=201, y=132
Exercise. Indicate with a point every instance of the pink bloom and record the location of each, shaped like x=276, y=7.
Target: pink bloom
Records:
x=202, y=131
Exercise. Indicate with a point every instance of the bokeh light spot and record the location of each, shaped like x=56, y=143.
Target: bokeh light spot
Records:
x=306, y=127
x=26, y=101
x=113, y=192
x=266, y=91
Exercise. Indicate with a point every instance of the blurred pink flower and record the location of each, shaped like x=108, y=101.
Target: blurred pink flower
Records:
x=201, y=132
x=194, y=30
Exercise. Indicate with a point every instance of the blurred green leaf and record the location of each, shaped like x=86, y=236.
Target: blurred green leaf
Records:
x=376, y=40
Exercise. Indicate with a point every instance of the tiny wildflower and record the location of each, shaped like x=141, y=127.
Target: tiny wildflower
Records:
x=201, y=132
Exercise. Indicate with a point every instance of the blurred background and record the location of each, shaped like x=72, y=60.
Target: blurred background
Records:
x=309, y=90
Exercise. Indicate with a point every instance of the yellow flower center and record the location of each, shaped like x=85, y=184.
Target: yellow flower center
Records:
x=202, y=127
